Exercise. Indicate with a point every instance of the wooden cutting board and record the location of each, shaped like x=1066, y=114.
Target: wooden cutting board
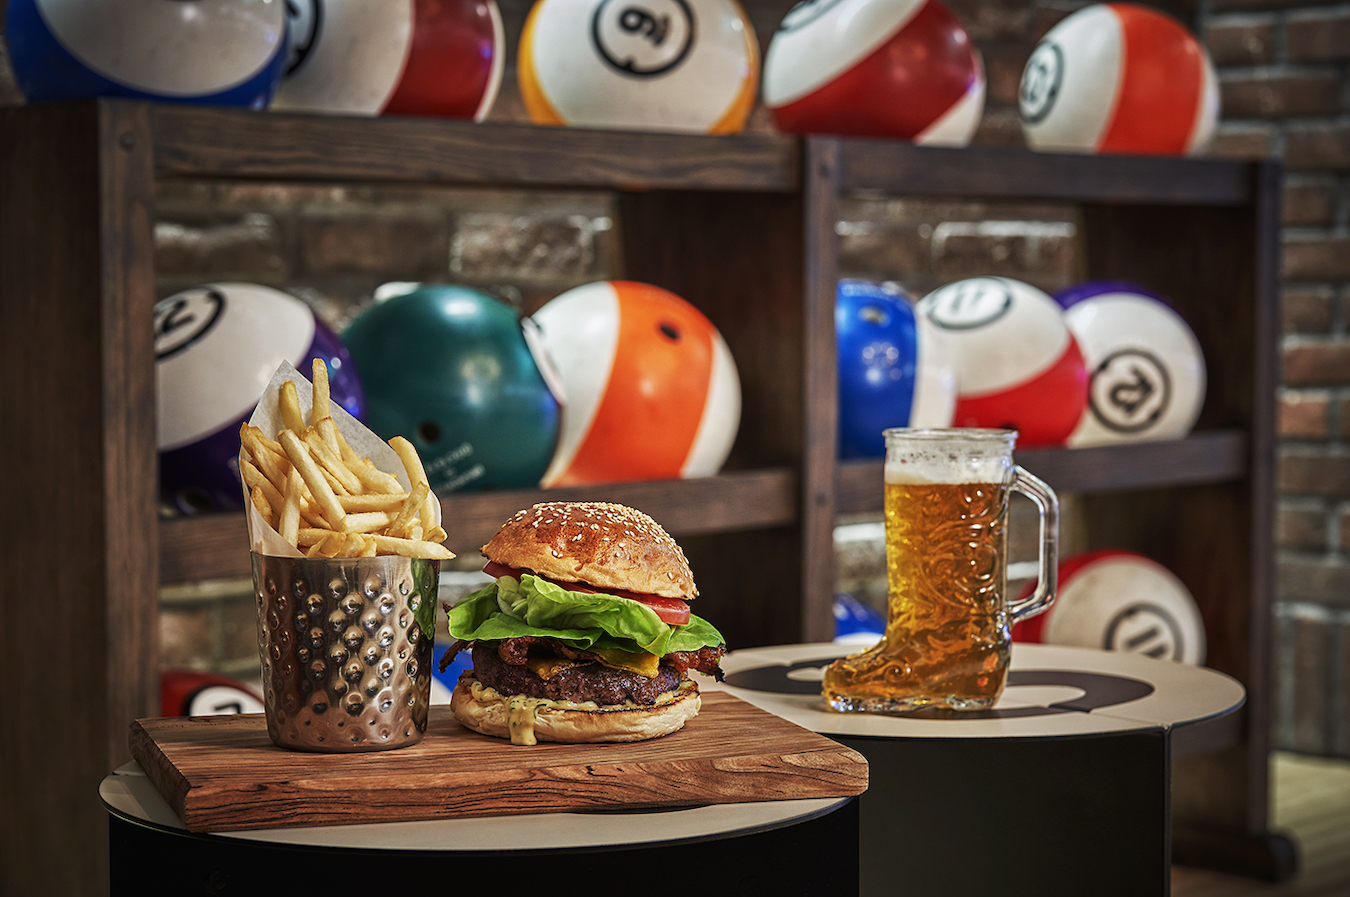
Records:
x=222, y=773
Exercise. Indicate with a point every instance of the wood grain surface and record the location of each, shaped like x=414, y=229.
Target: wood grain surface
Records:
x=222, y=773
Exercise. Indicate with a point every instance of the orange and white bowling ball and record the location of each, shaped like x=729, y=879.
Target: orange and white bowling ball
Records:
x=439, y=58
x=879, y=68
x=1119, y=601
x=1017, y=364
x=662, y=65
x=1119, y=78
x=650, y=388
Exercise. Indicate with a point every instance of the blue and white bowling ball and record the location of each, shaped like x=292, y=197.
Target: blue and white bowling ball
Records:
x=216, y=349
x=219, y=52
x=895, y=368
x=1145, y=366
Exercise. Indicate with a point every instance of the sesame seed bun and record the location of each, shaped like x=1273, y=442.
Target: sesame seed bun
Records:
x=607, y=545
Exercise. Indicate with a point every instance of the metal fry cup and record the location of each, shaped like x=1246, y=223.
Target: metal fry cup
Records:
x=346, y=666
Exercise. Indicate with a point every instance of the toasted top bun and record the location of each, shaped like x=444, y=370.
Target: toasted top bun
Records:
x=598, y=543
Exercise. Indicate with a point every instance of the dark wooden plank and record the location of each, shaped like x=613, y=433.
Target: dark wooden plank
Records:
x=1014, y=173
x=820, y=390
x=1206, y=457
x=204, y=142
x=223, y=773
x=77, y=387
x=216, y=546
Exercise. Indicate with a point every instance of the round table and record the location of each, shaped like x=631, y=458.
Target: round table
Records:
x=769, y=848
x=1062, y=788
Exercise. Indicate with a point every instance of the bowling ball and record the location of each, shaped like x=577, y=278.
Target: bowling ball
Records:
x=1119, y=78
x=875, y=68
x=895, y=369
x=665, y=65
x=216, y=349
x=453, y=370
x=1018, y=366
x=396, y=57
x=652, y=390
x=216, y=52
x=1146, y=368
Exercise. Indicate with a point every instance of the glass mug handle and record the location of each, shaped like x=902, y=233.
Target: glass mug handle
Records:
x=1047, y=502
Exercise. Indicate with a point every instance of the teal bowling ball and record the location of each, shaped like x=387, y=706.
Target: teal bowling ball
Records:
x=453, y=370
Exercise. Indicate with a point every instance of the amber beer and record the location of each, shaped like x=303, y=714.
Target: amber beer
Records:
x=947, y=638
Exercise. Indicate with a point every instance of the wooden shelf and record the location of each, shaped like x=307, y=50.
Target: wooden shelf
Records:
x=742, y=225
x=193, y=142
x=994, y=173
x=215, y=546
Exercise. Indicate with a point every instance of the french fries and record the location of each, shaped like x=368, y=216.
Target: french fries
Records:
x=325, y=500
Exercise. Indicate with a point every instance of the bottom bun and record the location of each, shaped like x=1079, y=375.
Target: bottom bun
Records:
x=527, y=720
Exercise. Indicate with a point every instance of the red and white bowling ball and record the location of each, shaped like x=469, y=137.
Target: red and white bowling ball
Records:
x=397, y=57
x=194, y=693
x=1119, y=601
x=216, y=349
x=1119, y=78
x=664, y=65
x=650, y=388
x=1146, y=368
x=876, y=68
x=1017, y=364
x=216, y=52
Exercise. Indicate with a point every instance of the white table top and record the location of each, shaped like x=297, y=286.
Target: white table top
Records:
x=1052, y=691
x=129, y=793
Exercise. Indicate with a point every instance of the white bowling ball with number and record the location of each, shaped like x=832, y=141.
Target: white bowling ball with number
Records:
x=666, y=65
x=1146, y=368
x=1120, y=601
x=1119, y=78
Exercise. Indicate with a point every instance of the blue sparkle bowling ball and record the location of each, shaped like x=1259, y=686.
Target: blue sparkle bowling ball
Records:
x=460, y=375
x=894, y=369
x=215, y=52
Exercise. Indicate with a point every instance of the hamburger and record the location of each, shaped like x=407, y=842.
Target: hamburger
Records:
x=584, y=634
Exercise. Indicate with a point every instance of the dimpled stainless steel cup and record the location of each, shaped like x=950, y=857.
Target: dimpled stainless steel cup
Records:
x=345, y=664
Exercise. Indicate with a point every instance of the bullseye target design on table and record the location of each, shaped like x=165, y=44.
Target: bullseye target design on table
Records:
x=650, y=388
x=397, y=57
x=217, y=52
x=903, y=69
x=672, y=65
x=1052, y=690
x=1017, y=364
x=1119, y=78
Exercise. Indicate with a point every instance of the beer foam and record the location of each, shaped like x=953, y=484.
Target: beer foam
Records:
x=970, y=462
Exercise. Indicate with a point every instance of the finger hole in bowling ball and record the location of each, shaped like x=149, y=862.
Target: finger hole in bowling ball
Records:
x=428, y=432
x=670, y=331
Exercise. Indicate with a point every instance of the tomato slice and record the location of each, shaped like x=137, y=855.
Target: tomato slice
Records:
x=672, y=611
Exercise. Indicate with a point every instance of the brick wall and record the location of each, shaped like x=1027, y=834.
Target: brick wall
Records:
x=1283, y=66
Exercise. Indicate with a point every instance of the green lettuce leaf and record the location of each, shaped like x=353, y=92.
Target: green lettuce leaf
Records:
x=530, y=606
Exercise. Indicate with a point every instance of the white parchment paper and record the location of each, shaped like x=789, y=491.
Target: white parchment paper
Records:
x=262, y=538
